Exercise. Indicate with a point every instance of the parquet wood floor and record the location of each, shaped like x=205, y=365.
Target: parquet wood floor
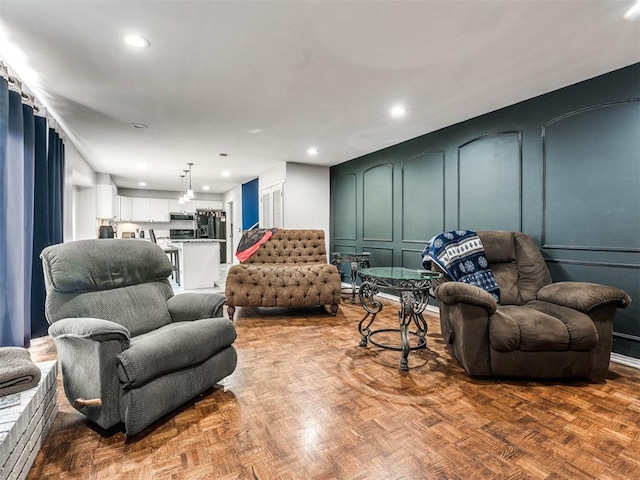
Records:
x=307, y=403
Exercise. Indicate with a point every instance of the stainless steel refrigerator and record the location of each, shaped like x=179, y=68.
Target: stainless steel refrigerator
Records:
x=213, y=224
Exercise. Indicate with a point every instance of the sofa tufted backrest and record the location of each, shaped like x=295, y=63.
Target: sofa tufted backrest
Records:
x=517, y=265
x=292, y=246
x=124, y=281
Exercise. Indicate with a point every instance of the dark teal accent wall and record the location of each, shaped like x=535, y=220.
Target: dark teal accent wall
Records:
x=563, y=167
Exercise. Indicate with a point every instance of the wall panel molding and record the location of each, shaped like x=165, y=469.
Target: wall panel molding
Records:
x=411, y=252
x=345, y=217
x=591, y=263
x=576, y=209
x=380, y=256
x=377, y=201
x=490, y=182
x=342, y=249
x=423, y=197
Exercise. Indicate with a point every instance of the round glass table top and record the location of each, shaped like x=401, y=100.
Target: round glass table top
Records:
x=398, y=273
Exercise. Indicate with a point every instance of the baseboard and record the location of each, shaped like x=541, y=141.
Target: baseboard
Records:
x=624, y=360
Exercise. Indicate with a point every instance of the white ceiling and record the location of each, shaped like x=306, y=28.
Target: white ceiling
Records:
x=321, y=73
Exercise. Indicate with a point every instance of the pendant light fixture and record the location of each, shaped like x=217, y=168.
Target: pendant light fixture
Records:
x=190, y=191
x=186, y=196
x=181, y=198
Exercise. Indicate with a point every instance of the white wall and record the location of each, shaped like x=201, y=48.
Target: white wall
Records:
x=234, y=195
x=273, y=176
x=79, y=214
x=306, y=194
x=306, y=197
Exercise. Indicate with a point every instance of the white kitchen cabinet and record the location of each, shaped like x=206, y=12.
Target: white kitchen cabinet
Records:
x=143, y=209
x=105, y=201
x=199, y=204
x=174, y=206
x=148, y=209
x=140, y=209
x=206, y=204
x=158, y=210
x=126, y=209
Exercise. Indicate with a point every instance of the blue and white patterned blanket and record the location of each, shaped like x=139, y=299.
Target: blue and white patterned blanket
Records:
x=460, y=254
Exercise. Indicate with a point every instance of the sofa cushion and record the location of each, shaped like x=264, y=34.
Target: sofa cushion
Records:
x=498, y=246
x=541, y=326
x=283, y=285
x=173, y=347
x=517, y=265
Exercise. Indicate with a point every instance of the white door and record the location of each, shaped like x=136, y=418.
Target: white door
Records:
x=273, y=206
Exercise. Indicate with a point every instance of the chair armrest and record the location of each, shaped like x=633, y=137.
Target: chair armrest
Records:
x=87, y=351
x=460, y=292
x=195, y=306
x=96, y=329
x=583, y=296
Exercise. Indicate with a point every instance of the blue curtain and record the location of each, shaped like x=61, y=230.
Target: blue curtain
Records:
x=48, y=215
x=28, y=150
x=6, y=334
x=42, y=231
x=23, y=145
x=55, y=185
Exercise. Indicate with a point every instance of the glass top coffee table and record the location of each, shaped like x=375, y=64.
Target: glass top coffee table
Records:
x=412, y=287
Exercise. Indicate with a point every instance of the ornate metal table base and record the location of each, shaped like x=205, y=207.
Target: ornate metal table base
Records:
x=413, y=287
x=356, y=261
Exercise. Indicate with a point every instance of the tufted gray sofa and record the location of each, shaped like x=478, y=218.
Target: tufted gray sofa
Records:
x=289, y=270
x=130, y=350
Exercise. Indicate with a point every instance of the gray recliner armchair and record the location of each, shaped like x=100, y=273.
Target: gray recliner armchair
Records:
x=540, y=329
x=131, y=351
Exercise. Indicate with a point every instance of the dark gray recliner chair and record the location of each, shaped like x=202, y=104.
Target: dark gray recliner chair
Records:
x=131, y=351
x=540, y=329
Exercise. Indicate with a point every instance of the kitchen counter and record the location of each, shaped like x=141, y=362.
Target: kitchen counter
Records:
x=199, y=262
x=197, y=240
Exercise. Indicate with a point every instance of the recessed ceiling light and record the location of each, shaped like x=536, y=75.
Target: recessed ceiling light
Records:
x=142, y=184
x=139, y=125
x=313, y=151
x=136, y=41
x=398, y=111
x=226, y=173
x=205, y=187
x=255, y=130
x=633, y=11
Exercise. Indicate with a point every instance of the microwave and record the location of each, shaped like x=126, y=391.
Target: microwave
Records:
x=182, y=233
x=182, y=216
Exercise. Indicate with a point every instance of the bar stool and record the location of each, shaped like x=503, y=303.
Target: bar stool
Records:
x=174, y=256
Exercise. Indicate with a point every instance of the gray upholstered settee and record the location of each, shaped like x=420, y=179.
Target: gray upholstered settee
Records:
x=289, y=270
x=540, y=329
x=131, y=351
